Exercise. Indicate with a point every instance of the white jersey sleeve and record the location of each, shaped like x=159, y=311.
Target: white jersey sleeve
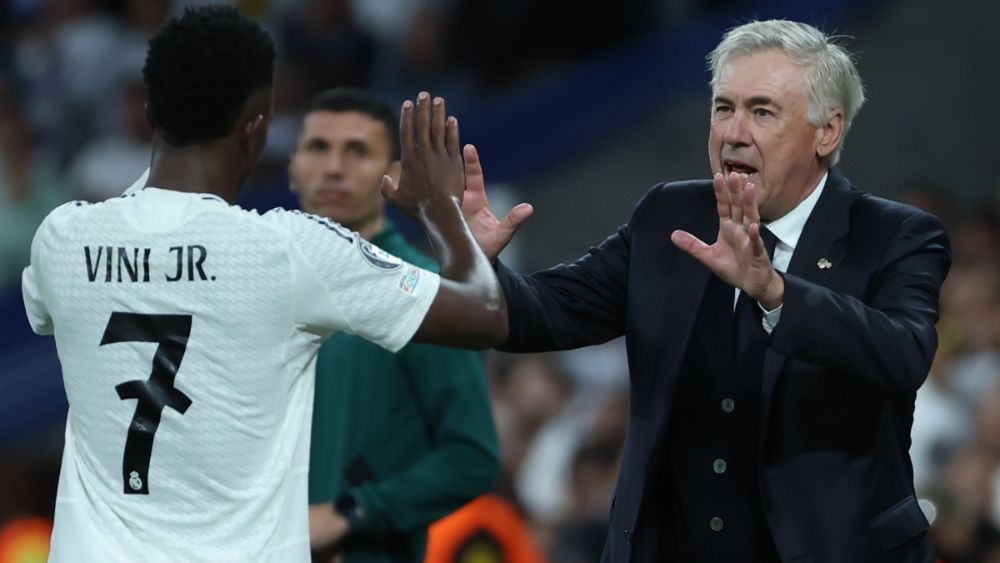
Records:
x=31, y=285
x=344, y=282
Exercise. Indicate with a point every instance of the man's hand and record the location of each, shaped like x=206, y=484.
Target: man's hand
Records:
x=738, y=255
x=491, y=233
x=468, y=310
x=326, y=526
x=431, y=163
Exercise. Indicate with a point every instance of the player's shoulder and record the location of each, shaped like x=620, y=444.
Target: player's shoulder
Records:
x=298, y=223
x=71, y=209
x=66, y=214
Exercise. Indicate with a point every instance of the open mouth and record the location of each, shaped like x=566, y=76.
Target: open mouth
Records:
x=738, y=167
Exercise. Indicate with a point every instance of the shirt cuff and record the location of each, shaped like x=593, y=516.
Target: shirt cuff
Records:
x=770, y=318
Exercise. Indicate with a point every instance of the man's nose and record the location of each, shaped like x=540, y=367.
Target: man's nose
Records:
x=333, y=164
x=737, y=131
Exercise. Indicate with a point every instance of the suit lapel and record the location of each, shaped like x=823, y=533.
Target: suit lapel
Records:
x=822, y=240
x=820, y=251
x=685, y=282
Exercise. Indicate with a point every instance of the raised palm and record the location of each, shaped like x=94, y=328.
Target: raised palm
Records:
x=738, y=255
x=491, y=233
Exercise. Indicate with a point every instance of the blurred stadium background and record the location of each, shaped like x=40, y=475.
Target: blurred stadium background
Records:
x=577, y=106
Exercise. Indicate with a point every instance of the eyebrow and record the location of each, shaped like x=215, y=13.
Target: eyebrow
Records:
x=763, y=101
x=753, y=101
x=356, y=143
x=316, y=142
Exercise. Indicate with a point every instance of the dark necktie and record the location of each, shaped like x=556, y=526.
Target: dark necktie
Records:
x=750, y=334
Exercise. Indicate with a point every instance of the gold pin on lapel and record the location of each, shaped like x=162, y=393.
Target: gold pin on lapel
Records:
x=824, y=264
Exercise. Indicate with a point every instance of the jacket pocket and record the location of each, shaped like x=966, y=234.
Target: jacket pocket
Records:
x=899, y=524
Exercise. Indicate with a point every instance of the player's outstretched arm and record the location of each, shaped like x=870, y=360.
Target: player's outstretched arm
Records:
x=469, y=309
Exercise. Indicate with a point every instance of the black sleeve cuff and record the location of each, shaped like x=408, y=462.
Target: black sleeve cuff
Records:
x=347, y=506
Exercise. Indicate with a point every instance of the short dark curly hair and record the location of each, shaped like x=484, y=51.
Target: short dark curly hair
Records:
x=200, y=69
x=340, y=100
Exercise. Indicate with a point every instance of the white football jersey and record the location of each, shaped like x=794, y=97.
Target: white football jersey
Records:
x=187, y=330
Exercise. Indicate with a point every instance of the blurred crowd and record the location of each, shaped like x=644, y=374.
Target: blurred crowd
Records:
x=72, y=126
x=956, y=429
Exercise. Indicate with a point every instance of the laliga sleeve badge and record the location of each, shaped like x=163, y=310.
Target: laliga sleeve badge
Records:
x=377, y=257
x=824, y=264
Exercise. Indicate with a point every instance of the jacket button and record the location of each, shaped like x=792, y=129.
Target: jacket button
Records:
x=628, y=537
x=715, y=524
x=728, y=405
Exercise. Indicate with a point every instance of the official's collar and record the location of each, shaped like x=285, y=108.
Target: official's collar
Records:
x=788, y=228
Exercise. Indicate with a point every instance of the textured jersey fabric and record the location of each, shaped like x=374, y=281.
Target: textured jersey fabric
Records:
x=187, y=330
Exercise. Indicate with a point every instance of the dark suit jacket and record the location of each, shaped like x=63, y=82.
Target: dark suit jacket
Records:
x=840, y=374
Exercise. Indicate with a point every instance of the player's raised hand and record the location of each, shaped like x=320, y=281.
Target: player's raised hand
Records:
x=738, y=255
x=431, y=167
x=491, y=233
x=469, y=308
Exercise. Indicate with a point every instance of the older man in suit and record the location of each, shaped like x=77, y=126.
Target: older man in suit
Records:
x=773, y=371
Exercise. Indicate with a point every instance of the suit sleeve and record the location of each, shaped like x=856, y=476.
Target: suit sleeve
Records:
x=573, y=305
x=888, y=338
x=463, y=462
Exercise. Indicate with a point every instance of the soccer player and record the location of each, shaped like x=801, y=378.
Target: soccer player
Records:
x=187, y=328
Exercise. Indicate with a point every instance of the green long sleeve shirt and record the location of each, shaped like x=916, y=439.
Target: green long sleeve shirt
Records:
x=409, y=435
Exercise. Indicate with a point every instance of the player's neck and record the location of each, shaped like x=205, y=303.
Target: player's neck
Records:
x=194, y=169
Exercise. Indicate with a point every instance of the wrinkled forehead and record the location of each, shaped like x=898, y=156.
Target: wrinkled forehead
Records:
x=771, y=71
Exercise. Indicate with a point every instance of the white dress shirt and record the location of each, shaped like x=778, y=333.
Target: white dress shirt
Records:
x=787, y=230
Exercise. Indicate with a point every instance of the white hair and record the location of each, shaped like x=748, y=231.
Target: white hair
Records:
x=831, y=79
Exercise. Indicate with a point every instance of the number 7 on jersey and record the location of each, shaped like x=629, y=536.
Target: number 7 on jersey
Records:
x=171, y=332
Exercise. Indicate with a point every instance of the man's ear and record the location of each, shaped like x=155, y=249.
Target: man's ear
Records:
x=829, y=134
x=251, y=135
